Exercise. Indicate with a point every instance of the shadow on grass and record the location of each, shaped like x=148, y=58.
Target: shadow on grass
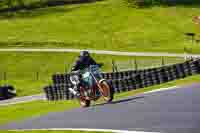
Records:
x=38, y=9
x=170, y=3
x=32, y=14
x=186, y=5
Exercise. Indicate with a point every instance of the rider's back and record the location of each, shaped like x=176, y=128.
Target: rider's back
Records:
x=83, y=62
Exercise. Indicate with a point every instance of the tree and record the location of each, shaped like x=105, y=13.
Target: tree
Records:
x=11, y=3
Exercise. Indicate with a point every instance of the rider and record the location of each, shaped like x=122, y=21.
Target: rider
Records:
x=83, y=61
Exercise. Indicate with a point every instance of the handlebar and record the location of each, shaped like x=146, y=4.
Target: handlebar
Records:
x=90, y=68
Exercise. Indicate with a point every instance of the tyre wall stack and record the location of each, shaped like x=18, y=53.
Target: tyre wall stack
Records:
x=7, y=92
x=127, y=80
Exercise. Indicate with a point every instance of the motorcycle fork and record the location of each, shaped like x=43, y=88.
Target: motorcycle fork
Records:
x=97, y=82
x=93, y=91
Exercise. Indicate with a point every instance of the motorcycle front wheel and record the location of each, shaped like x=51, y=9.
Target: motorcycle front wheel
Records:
x=84, y=103
x=106, y=91
x=82, y=99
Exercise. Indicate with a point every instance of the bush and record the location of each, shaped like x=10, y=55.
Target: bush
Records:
x=144, y=3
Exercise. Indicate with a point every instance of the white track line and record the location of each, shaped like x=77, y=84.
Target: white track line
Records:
x=84, y=129
x=98, y=52
x=161, y=89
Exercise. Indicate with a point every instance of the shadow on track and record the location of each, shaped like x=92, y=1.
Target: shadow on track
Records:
x=122, y=100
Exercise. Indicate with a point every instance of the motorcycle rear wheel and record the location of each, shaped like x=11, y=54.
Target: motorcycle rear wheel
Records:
x=106, y=91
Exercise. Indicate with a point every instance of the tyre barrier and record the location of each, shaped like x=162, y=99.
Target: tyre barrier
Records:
x=7, y=92
x=58, y=92
x=64, y=78
x=127, y=80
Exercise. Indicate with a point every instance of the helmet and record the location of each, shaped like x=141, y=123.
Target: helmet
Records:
x=84, y=53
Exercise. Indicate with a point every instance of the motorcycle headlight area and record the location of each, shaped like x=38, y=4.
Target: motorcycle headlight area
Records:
x=74, y=79
x=86, y=75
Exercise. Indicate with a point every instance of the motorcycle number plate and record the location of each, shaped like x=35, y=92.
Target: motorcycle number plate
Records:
x=85, y=75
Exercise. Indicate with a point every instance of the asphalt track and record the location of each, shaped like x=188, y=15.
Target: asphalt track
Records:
x=170, y=111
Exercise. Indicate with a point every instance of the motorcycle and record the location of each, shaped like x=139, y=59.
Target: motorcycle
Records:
x=90, y=85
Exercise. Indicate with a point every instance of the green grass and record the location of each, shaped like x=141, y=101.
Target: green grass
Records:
x=20, y=69
x=37, y=108
x=19, y=65
x=33, y=109
x=107, y=24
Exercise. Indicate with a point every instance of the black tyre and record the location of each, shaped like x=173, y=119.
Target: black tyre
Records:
x=84, y=103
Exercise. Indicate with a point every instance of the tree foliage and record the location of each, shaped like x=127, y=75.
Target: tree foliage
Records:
x=146, y=3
